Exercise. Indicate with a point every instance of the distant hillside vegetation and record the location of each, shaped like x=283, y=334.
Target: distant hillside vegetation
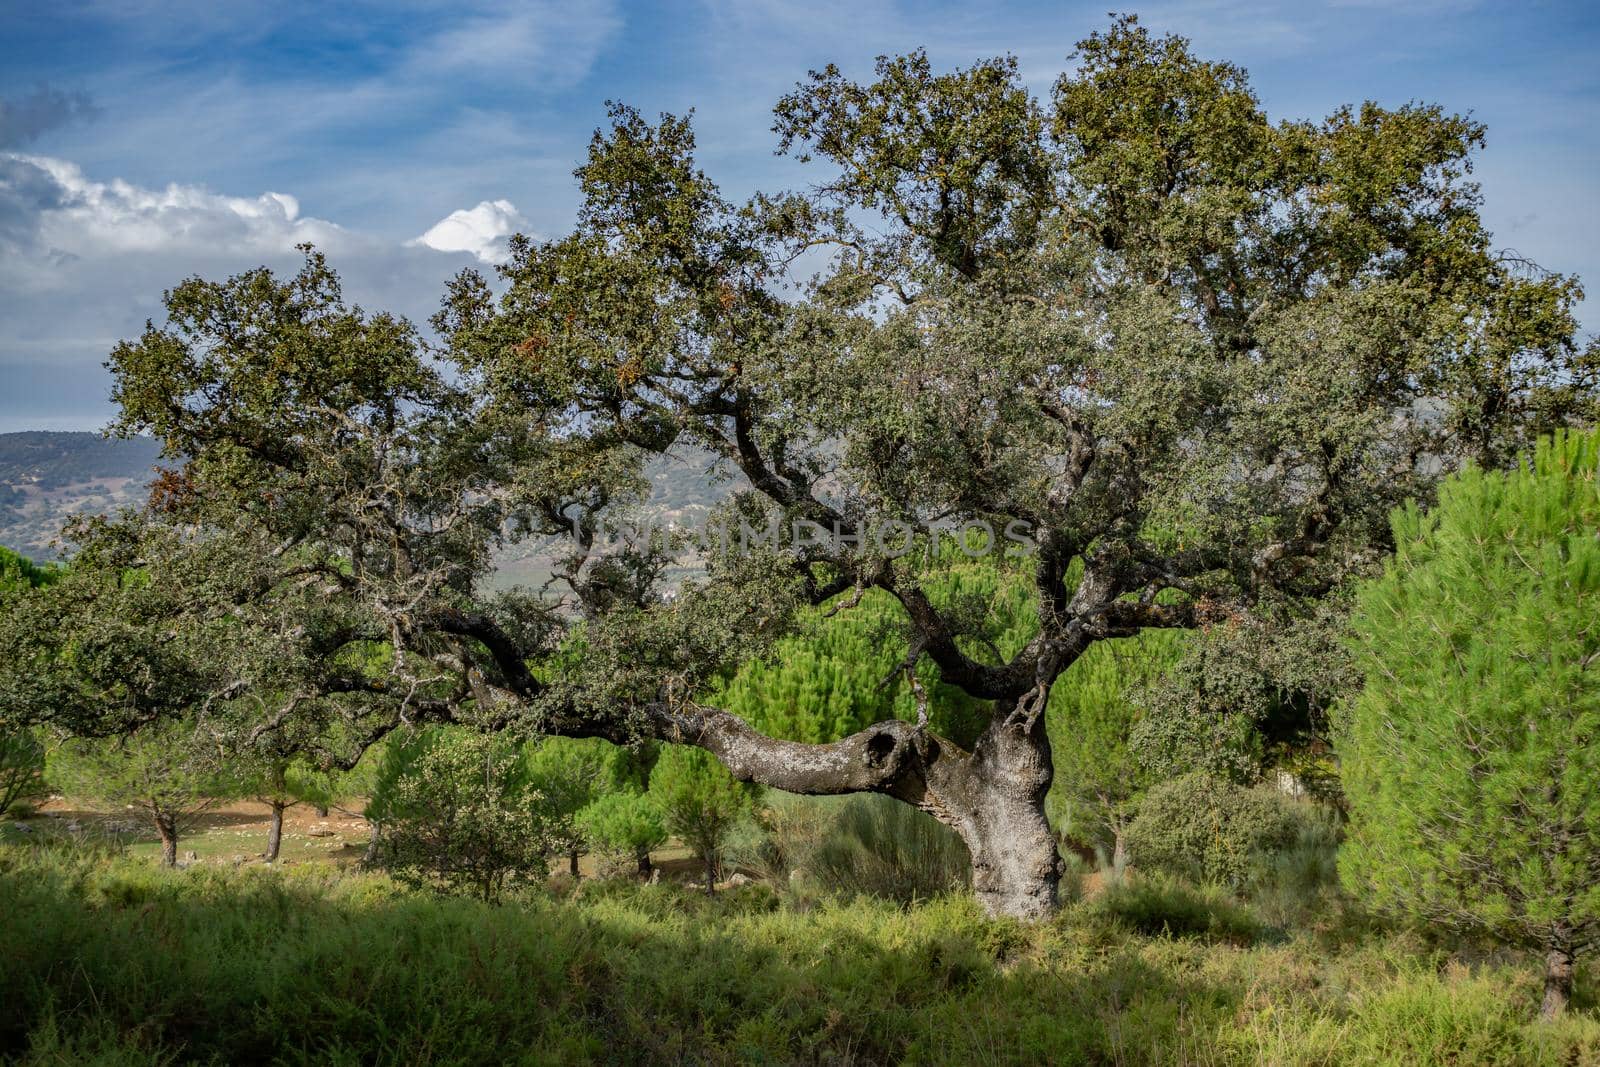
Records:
x=46, y=477
x=52, y=460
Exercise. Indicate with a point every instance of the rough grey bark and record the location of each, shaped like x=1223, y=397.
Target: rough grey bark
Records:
x=1558, y=966
x=275, y=831
x=993, y=796
x=167, y=830
x=995, y=799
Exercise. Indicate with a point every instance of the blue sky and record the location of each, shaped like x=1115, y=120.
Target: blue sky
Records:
x=146, y=140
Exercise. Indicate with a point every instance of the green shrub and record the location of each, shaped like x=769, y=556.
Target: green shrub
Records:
x=623, y=828
x=1211, y=830
x=21, y=771
x=1158, y=905
x=1298, y=882
x=864, y=845
x=700, y=801
x=458, y=814
x=881, y=847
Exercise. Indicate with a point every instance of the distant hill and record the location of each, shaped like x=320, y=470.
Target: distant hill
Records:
x=46, y=477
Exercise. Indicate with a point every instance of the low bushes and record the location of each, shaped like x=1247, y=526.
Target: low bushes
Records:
x=864, y=845
x=1211, y=830
x=113, y=961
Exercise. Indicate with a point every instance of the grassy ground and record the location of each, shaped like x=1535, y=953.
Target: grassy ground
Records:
x=110, y=960
x=236, y=833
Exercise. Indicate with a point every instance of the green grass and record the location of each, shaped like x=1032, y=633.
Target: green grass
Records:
x=110, y=960
x=220, y=838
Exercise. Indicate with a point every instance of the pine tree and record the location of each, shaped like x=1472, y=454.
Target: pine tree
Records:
x=700, y=801
x=165, y=770
x=1470, y=756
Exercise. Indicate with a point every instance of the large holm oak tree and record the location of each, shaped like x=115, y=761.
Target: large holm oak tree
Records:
x=1195, y=355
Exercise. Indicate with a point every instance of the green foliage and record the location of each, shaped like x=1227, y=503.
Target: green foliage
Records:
x=214, y=965
x=286, y=780
x=1094, y=710
x=700, y=801
x=1469, y=756
x=870, y=845
x=1159, y=905
x=22, y=760
x=19, y=572
x=168, y=770
x=457, y=812
x=1211, y=829
x=1247, y=697
x=569, y=774
x=623, y=826
x=880, y=847
x=839, y=674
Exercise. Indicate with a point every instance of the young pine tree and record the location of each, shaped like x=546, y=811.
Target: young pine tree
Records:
x=701, y=802
x=623, y=827
x=281, y=781
x=568, y=774
x=161, y=769
x=1470, y=756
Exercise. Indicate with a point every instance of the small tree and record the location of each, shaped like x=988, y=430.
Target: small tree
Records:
x=281, y=781
x=1099, y=778
x=159, y=769
x=568, y=774
x=1469, y=757
x=21, y=767
x=456, y=811
x=702, y=802
x=622, y=827
x=21, y=749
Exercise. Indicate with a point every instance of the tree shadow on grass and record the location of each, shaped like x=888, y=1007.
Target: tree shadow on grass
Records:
x=255, y=967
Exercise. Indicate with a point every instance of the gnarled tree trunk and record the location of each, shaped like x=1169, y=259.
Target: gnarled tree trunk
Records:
x=994, y=799
x=993, y=796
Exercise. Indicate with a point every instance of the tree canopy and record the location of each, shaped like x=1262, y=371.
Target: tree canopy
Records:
x=1190, y=356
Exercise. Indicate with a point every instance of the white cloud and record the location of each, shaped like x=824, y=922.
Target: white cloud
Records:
x=64, y=212
x=83, y=263
x=557, y=44
x=481, y=230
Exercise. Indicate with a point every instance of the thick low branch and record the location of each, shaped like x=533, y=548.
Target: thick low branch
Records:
x=508, y=658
